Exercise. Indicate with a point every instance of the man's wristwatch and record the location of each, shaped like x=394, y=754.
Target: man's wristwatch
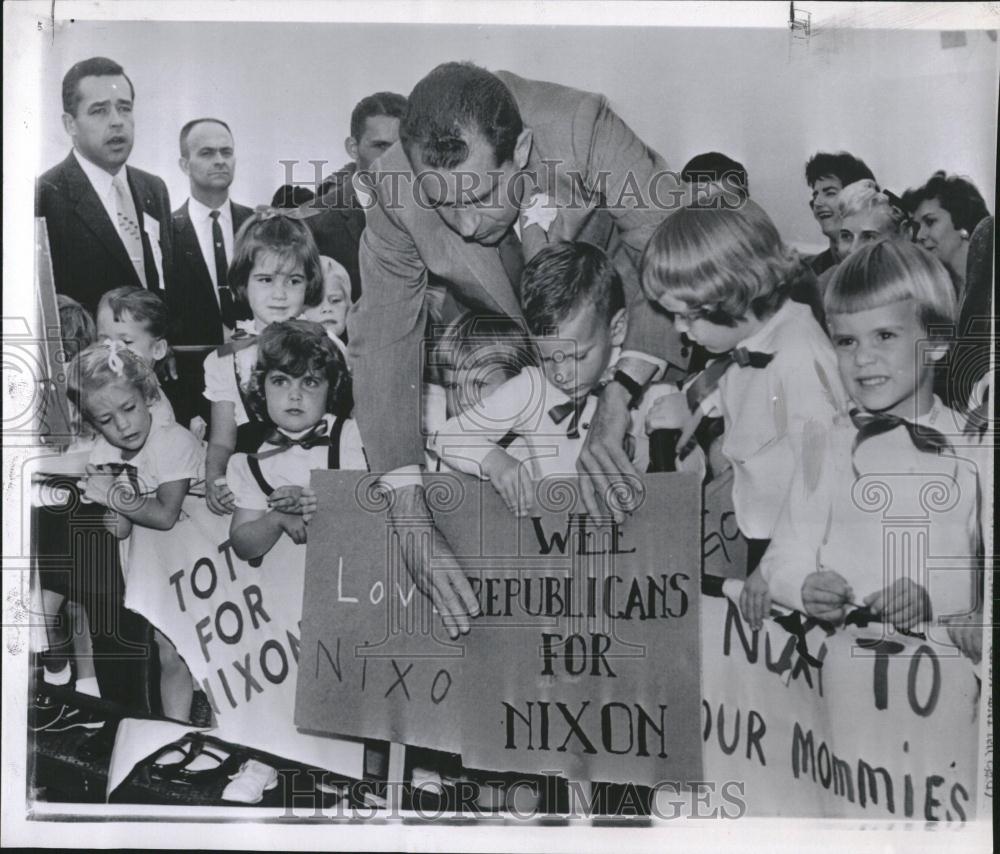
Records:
x=631, y=386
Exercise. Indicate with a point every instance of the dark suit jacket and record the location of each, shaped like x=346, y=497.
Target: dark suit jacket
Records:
x=191, y=295
x=337, y=228
x=404, y=242
x=88, y=256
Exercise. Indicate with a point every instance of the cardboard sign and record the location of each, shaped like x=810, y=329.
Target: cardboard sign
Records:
x=724, y=548
x=584, y=662
x=883, y=726
x=236, y=627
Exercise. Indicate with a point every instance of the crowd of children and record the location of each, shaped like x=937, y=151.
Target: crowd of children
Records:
x=807, y=412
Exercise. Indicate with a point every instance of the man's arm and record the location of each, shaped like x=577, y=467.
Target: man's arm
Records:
x=385, y=329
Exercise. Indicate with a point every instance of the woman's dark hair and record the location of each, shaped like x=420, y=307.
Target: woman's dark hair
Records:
x=957, y=195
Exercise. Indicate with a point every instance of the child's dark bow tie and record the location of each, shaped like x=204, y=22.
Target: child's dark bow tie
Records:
x=871, y=424
x=561, y=411
x=240, y=341
x=316, y=436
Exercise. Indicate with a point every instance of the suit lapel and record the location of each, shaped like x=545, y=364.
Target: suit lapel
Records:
x=93, y=215
x=187, y=241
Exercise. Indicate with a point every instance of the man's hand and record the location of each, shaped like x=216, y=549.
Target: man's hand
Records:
x=513, y=482
x=603, y=460
x=445, y=585
x=904, y=604
x=755, y=600
x=219, y=497
x=825, y=596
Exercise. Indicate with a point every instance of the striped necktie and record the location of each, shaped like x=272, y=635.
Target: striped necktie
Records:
x=128, y=226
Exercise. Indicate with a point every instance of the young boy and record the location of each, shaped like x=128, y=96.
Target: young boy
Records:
x=894, y=457
x=140, y=320
x=574, y=305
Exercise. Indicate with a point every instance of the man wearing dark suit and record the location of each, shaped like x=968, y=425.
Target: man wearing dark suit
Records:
x=374, y=129
x=204, y=234
x=495, y=150
x=108, y=223
x=204, y=227
x=108, y=226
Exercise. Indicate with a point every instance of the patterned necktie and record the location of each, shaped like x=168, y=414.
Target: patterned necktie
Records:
x=128, y=226
x=871, y=424
x=227, y=305
x=315, y=437
x=708, y=381
x=512, y=258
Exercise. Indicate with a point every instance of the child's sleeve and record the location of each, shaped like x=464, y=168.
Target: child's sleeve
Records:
x=242, y=484
x=802, y=524
x=352, y=453
x=220, y=384
x=179, y=455
x=463, y=442
x=808, y=393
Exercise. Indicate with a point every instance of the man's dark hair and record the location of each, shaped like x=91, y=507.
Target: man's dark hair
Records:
x=379, y=104
x=714, y=166
x=842, y=165
x=957, y=195
x=189, y=126
x=454, y=100
x=564, y=276
x=96, y=66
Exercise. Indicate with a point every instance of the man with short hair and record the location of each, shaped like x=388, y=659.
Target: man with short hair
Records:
x=827, y=174
x=491, y=168
x=204, y=234
x=108, y=224
x=344, y=196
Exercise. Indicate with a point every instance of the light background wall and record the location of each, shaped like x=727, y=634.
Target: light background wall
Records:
x=897, y=99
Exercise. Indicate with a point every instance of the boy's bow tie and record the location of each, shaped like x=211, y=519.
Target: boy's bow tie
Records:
x=872, y=424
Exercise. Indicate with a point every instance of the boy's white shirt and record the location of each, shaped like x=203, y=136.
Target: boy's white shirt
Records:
x=856, y=523
x=767, y=410
x=521, y=405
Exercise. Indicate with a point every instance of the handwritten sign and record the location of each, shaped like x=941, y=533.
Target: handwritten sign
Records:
x=724, y=548
x=880, y=726
x=585, y=660
x=237, y=628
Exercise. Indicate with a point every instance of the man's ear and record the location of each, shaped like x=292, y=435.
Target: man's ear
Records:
x=619, y=327
x=69, y=124
x=185, y=165
x=351, y=147
x=522, y=148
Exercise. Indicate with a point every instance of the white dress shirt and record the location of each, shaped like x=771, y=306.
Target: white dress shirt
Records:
x=103, y=184
x=202, y=222
x=886, y=511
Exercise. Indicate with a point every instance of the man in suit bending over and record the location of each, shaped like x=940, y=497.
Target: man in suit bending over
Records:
x=108, y=223
x=204, y=229
x=505, y=165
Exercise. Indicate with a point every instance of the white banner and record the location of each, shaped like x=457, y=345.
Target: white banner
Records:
x=885, y=726
x=237, y=627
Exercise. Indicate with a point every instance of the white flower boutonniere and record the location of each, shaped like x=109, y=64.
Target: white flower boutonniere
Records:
x=540, y=211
